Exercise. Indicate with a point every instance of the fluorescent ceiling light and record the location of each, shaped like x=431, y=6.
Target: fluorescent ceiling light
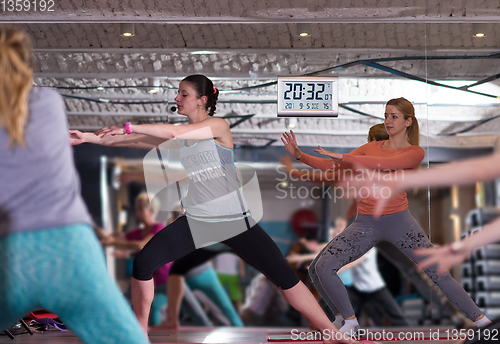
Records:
x=304, y=29
x=203, y=52
x=127, y=29
x=479, y=30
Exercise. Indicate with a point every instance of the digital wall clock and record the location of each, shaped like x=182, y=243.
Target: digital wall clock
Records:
x=307, y=96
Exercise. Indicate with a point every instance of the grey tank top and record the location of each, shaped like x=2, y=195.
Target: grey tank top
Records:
x=214, y=191
x=39, y=184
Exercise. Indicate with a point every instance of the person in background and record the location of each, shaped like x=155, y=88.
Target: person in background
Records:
x=197, y=271
x=230, y=269
x=264, y=304
x=133, y=241
x=49, y=255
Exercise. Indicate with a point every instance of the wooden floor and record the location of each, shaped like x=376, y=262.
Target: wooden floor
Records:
x=213, y=335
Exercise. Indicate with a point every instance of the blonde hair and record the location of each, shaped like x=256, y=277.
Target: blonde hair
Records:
x=406, y=108
x=377, y=133
x=144, y=199
x=16, y=81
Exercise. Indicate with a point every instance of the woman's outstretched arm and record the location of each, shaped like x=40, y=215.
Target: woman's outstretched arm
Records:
x=132, y=140
x=407, y=159
x=457, y=173
x=211, y=128
x=462, y=172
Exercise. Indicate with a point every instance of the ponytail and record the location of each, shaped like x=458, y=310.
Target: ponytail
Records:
x=215, y=98
x=16, y=81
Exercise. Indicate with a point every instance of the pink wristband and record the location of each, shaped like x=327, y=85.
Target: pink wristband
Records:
x=127, y=127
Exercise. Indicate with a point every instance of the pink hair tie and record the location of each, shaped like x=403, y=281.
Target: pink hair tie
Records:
x=127, y=127
x=215, y=90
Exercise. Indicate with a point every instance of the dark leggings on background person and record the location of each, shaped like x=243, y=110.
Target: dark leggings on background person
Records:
x=254, y=246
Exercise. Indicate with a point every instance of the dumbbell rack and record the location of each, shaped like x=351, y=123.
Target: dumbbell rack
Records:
x=481, y=270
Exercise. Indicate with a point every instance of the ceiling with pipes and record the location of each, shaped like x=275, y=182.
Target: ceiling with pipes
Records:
x=423, y=51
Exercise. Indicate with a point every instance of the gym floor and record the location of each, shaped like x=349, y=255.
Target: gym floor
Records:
x=244, y=335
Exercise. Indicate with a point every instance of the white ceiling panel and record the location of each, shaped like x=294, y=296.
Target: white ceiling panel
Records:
x=375, y=47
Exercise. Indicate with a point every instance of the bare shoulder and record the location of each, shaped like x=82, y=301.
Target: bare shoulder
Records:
x=221, y=131
x=219, y=126
x=218, y=121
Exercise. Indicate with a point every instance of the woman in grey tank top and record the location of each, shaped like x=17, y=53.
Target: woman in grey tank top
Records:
x=213, y=199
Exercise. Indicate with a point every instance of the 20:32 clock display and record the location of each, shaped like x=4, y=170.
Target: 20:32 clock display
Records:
x=307, y=96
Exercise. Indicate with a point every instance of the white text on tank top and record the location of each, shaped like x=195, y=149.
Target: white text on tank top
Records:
x=213, y=185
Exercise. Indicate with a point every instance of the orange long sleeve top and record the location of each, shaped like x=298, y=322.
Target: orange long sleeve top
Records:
x=373, y=155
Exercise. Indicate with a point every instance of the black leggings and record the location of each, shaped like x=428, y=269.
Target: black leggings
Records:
x=254, y=246
x=193, y=259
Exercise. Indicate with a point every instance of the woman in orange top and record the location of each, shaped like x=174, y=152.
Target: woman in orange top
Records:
x=377, y=132
x=401, y=152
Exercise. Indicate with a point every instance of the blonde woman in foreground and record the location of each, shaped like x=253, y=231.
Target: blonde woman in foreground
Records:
x=49, y=255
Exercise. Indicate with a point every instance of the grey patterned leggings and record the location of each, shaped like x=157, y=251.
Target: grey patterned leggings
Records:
x=399, y=229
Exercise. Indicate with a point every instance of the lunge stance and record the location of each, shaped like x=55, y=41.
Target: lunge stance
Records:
x=213, y=201
x=396, y=226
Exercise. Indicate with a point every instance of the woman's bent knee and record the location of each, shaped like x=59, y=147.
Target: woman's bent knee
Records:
x=141, y=270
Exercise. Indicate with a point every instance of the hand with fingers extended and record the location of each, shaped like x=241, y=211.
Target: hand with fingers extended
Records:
x=445, y=257
x=111, y=131
x=291, y=146
x=337, y=157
